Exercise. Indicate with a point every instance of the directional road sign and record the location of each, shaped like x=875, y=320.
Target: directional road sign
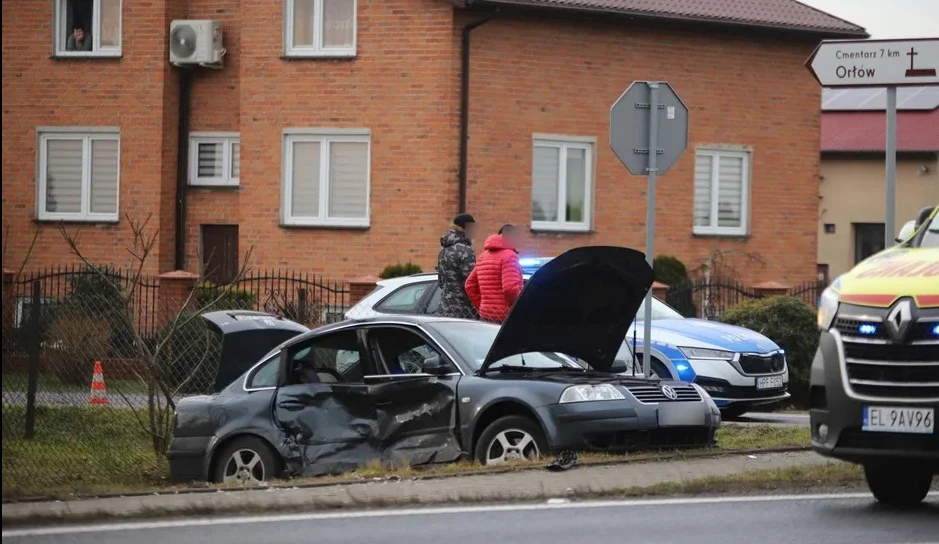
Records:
x=630, y=125
x=876, y=63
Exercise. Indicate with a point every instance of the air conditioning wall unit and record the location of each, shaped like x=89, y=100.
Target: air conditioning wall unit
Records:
x=196, y=42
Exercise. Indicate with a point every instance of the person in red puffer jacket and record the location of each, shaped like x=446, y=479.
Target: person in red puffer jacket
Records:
x=496, y=281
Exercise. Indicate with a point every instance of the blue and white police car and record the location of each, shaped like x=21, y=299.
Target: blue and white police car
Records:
x=740, y=369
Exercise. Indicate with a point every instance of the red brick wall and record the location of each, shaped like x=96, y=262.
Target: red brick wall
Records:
x=561, y=77
x=529, y=76
x=400, y=87
x=129, y=93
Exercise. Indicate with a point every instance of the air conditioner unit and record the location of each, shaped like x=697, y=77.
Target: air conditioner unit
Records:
x=196, y=42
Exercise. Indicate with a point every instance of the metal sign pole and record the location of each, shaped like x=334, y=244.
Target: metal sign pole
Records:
x=891, y=177
x=650, y=222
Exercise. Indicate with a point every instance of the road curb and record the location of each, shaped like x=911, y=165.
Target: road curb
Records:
x=707, y=475
x=636, y=459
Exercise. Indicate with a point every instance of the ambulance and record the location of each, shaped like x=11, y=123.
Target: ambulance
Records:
x=874, y=387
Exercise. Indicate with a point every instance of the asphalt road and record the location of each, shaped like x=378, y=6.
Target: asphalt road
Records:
x=847, y=519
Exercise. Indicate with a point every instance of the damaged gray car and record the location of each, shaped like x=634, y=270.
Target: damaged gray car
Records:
x=424, y=389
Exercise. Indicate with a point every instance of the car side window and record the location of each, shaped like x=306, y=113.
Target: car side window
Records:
x=333, y=358
x=401, y=351
x=405, y=299
x=264, y=375
x=434, y=304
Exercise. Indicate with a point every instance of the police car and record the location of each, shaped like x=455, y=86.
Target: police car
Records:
x=740, y=369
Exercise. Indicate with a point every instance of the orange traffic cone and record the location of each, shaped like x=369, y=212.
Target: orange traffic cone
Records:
x=99, y=393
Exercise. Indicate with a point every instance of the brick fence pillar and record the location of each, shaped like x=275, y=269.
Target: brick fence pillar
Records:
x=659, y=290
x=771, y=289
x=359, y=288
x=175, y=290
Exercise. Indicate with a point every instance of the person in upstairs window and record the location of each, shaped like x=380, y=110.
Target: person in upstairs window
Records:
x=78, y=41
x=496, y=282
x=454, y=264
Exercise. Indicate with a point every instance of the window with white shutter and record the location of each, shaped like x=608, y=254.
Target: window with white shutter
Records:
x=562, y=178
x=320, y=28
x=214, y=159
x=721, y=192
x=326, y=178
x=79, y=174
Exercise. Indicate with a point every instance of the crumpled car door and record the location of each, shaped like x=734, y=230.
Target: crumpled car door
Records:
x=330, y=427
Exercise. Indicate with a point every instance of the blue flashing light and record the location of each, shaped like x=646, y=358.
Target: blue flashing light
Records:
x=935, y=330
x=681, y=368
x=529, y=262
x=867, y=329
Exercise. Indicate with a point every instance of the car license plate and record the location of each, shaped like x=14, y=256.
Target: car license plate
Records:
x=769, y=382
x=894, y=419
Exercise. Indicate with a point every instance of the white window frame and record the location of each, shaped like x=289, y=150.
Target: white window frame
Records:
x=563, y=143
x=317, y=49
x=228, y=140
x=62, y=32
x=712, y=229
x=323, y=136
x=86, y=135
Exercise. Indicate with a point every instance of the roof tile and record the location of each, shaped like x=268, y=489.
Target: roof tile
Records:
x=866, y=131
x=786, y=14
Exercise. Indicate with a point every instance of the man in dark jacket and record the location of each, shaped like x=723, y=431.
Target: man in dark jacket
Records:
x=454, y=264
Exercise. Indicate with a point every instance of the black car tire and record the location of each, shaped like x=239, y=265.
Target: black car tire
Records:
x=269, y=459
x=521, y=423
x=898, y=485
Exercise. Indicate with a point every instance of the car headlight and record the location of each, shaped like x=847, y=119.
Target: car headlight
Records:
x=703, y=353
x=587, y=393
x=827, y=308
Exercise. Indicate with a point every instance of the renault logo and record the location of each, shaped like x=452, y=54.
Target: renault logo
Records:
x=899, y=320
x=669, y=392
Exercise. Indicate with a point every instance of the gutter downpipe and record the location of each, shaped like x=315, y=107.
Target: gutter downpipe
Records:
x=182, y=167
x=464, y=104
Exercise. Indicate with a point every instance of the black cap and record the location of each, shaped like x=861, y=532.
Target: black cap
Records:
x=506, y=228
x=463, y=219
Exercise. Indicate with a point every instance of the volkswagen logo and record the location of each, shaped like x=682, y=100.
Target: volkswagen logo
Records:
x=669, y=392
x=899, y=319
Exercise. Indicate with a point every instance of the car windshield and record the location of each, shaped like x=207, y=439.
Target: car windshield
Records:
x=931, y=235
x=473, y=340
x=660, y=310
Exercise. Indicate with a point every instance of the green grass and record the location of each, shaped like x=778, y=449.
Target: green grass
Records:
x=77, y=449
x=100, y=449
x=18, y=381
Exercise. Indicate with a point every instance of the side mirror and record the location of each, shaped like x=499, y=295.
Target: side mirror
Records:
x=906, y=231
x=619, y=367
x=432, y=365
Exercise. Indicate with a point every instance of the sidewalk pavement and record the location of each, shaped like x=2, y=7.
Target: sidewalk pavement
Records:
x=523, y=485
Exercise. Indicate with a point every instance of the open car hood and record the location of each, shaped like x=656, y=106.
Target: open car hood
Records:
x=580, y=303
x=247, y=337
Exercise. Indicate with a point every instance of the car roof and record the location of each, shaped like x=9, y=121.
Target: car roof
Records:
x=383, y=320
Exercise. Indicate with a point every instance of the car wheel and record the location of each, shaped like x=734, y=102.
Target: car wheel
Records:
x=898, y=485
x=511, y=438
x=246, y=460
x=659, y=370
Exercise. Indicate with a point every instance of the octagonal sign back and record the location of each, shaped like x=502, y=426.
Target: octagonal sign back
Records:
x=629, y=127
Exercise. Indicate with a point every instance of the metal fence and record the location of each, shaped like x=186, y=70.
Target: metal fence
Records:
x=65, y=426
x=710, y=298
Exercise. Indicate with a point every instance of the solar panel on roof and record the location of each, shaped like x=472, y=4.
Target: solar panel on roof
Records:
x=908, y=98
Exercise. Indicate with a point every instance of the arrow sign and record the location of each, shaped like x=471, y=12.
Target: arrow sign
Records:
x=876, y=63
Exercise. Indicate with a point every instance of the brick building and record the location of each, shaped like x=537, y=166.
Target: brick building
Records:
x=346, y=119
